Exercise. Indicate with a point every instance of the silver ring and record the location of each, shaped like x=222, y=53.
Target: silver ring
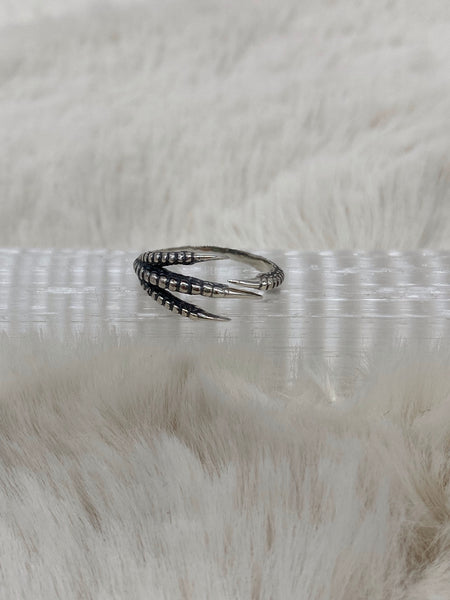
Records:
x=159, y=282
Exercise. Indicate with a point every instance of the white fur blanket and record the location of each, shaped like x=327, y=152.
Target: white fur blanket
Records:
x=270, y=124
x=131, y=471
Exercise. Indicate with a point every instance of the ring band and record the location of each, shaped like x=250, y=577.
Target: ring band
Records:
x=159, y=282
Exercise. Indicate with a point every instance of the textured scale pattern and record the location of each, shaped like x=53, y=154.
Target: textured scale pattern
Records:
x=159, y=282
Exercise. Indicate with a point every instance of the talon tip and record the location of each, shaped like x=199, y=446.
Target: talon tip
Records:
x=237, y=293
x=251, y=283
x=211, y=317
x=205, y=257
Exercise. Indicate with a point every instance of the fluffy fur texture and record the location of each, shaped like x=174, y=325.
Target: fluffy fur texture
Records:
x=293, y=124
x=131, y=471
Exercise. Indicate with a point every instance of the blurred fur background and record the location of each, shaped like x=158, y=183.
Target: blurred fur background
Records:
x=133, y=470
x=293, y=124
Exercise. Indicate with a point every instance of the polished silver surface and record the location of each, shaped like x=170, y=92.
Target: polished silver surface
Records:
x=333, y=306
x=158, y=282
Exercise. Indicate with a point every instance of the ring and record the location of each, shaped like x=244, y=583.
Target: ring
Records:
x=159, y=282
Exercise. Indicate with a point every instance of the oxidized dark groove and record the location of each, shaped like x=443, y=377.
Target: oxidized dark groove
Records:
x=159, y=282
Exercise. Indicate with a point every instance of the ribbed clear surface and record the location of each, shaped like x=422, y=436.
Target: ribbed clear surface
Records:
x=333, y=305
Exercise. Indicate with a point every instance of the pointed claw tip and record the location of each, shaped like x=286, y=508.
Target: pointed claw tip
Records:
x=237, y=293
x=205, y=257
x=211, y=317
x=245, y=283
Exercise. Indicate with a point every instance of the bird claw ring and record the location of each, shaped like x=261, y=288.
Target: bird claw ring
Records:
x=159, y=282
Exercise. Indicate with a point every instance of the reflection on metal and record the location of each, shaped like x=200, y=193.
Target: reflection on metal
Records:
x=159, y=282
x=333, y=306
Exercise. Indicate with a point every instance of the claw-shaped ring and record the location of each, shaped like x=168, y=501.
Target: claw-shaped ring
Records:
x=158, y=282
